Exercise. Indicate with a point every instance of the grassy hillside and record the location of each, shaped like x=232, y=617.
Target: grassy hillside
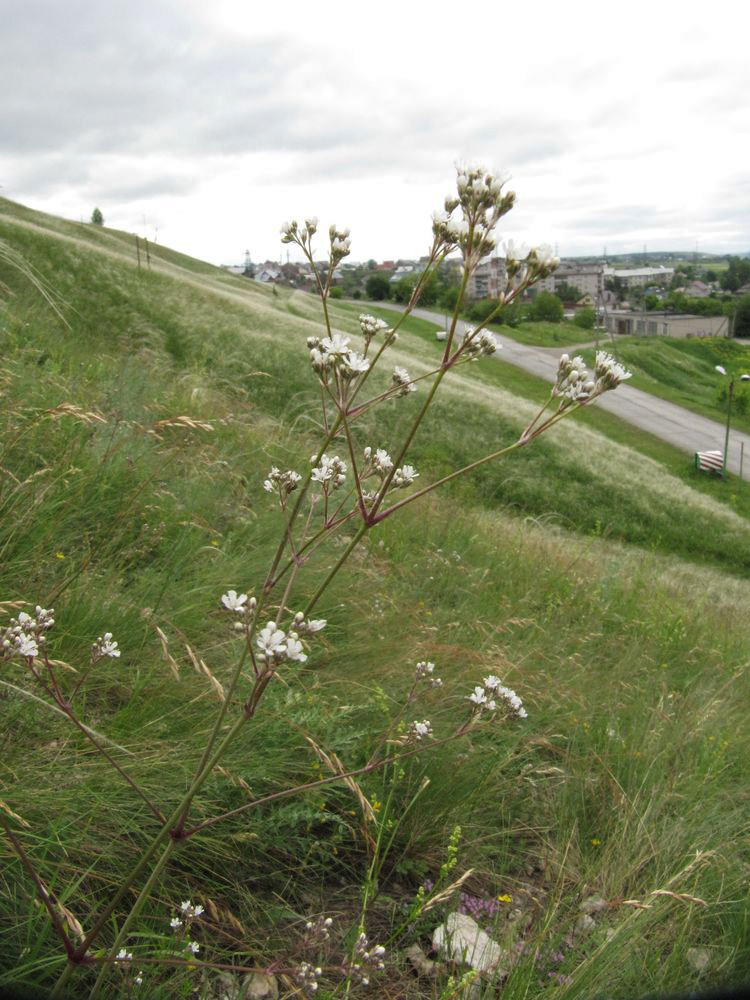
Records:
x=565, y=571
x=684, y=372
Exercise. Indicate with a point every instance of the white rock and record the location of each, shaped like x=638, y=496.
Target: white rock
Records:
x=420, y=962
x=462, y=940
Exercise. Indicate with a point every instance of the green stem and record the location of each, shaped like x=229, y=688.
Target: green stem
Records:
x=138, y=906
x=40, y=887
x=344, y=556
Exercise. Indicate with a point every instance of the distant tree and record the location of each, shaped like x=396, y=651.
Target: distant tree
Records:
x=512, y=315
x=449, y=297
x=336, y=292
x=430, y=290
x=652, y=301
x=736, y=275
x=479, y=311
x=377, y=287
x=741, y=325
x=585, y=318
x=710, y=275
x=566, y=292
x=401, y=291
x=547, y=307
x=97, y=219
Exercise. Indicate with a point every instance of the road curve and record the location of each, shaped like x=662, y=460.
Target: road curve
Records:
x=682, y=428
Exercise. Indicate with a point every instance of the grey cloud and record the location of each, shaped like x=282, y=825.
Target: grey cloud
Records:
x=621, y=219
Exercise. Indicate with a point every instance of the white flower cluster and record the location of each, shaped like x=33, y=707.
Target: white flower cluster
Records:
x=378, y=463
x=282, y=483
x=478, y=344
x=307, y=976
x=275, y=646
x=241, y=605
x=318, y=930
x=127, y=956
x=609, y=372
x=425, y=672
x=419, y=730
x=484, y=697
x=188, y=913
x=404, y=477
x=104, y=646
x=333, y=354
x=340, y=243
x=366, y=960
x=482, y=203
x=523, y=264
x=574, y=383
x=402, y=382
x=330, y=471
x=24, y=635
x=292, y=232
x=308, y=626
x=371, y=326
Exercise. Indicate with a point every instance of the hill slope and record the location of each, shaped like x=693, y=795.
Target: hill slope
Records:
x=125, y=517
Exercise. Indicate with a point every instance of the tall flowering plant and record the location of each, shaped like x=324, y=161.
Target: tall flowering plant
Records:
x=350, y=481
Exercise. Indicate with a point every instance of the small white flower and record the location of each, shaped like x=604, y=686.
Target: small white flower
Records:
x=513, y=701
x=26, y=645
x=294, y=649
x=354, y=364
x=194, y=947
x=492, y=682
x=335, y=347
x=402, y=381
x=515, y=251
x=719, y=368
x=404, y=477
x=123, y=955
x=545, y=256
x=479, y=696
x=271, y=641
x=106, y=646
x=315, y=624
x=383, y=461
x=138, y=979
x=233, y=601
x=419, y=730
x=609, y=373
x=175, y=922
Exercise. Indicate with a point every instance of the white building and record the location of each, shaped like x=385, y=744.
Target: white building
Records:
x=640, y=277
x=664, y=324
x=488, y=280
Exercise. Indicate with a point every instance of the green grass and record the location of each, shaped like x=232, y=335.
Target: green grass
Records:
x=684, y=372
x=631, y=658
x=539, y=334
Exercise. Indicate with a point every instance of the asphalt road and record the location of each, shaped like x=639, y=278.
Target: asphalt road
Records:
x=679, y=427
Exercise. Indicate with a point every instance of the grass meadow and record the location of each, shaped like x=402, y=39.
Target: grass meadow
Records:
x=590, y=571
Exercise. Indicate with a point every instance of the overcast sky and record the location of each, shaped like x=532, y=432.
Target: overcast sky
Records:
x=207, y=124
